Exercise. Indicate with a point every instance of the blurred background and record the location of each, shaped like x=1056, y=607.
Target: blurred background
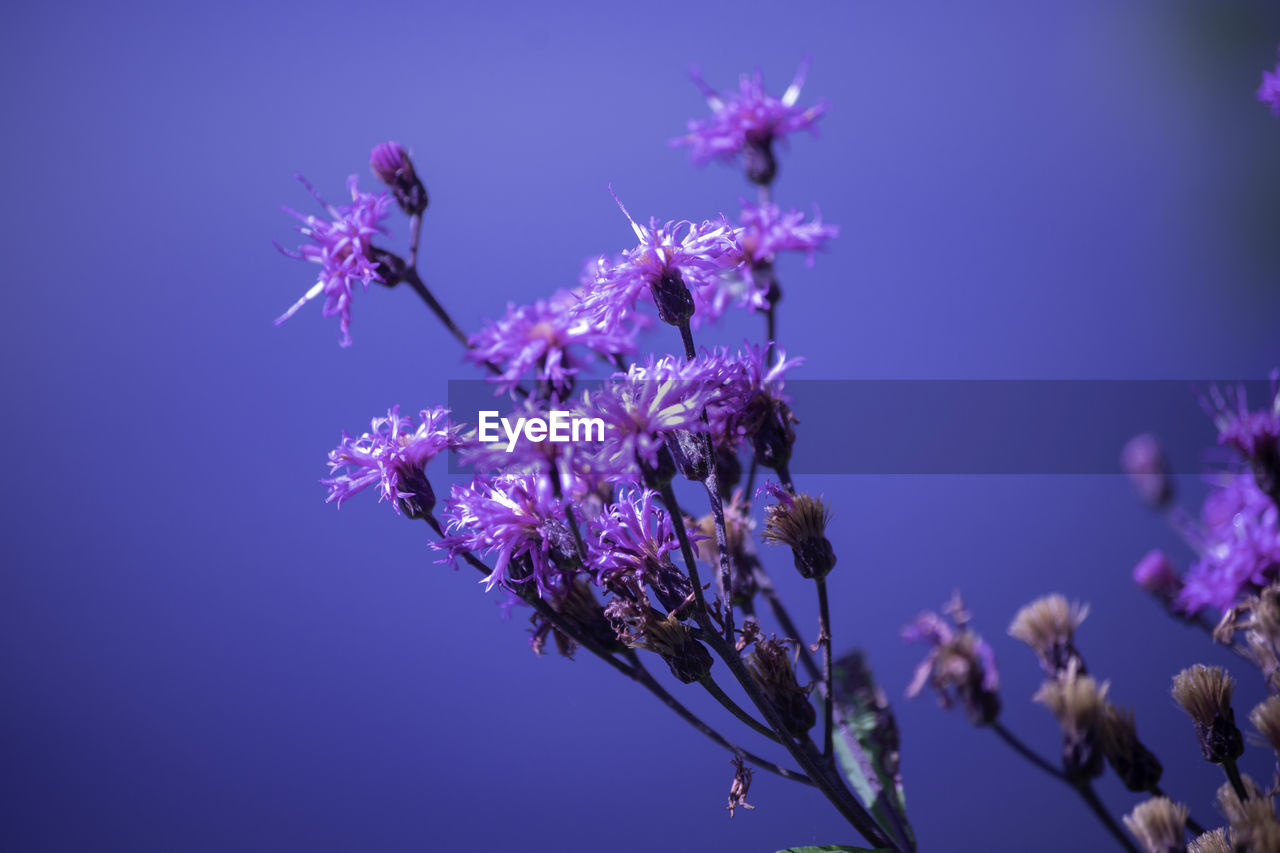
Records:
x=196, y=653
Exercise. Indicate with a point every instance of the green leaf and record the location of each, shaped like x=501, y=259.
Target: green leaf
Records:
x=866, y=742
x=834, y=848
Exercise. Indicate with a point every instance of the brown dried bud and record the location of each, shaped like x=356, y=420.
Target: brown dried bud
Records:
x=739, y=787
x=801, y=523
x=1204, y=692
x=770, y=663
x=1048, y=625
x=1077, y=702
x=1137, y=766
x=1159, y=824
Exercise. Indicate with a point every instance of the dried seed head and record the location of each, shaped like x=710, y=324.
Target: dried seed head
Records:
x=770, y=663
x=1048, y=625
x=1266, y=719
x=1204, y=692
x=739, y=787
x=1159, y=824
x=1078, y=704
x=1255, y=829
x=1210, y=842
x=1229, y=804
x=801, y=523
x=1137, y=766
x=579, y=607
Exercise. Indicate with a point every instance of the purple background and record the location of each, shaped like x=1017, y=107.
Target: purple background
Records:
x=196, y=653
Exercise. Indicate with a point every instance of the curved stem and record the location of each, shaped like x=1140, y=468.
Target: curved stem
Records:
x=734, y=708
x=1026, y=752
x=1090, y=797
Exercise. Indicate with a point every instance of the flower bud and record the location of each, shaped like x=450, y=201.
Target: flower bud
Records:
x=774, y=435
x=672, y=297
x=389, y=266
x=758, y=161
x=1077, y=702
x=1156, y=574
x=1143, y=460
x=391, y=163
x=1048, y=625
x=1159, y=824
x=418, y=499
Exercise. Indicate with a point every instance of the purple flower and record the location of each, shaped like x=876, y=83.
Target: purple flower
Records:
x=651, y=401
x=537, y=338
x=1269, y=91
x=516, y=518
x=754, y=393
x=1240, y=546
x=631, y=537
x=767, y=231
x=392, y=456
x=668, y=259
x=343, y=248
x=749, y=120
x=1253, y=434
x=960, y=665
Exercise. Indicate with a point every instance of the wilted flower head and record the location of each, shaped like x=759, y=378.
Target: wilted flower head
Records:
x=1241, y=546
x=343, y=247
x=1077, y=701
x=800, y=522
x=518, y=519
x=1266, y=719
x=960, y=666
x=392, y=456
x=749, y=121
x=741, y=785
x=1048, y=625
x=669, y=258
x=537, y=339
x=1137, y=767
x=637, y=626
x=1255, y=829
x=1258, y=617
x=1269, y=91
x=1159, y=824
x=1204, y=692
x=1228, y=801
x=771, y=664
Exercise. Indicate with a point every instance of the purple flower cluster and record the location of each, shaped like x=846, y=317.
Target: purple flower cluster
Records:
x=1254, y=434
x=343, y=247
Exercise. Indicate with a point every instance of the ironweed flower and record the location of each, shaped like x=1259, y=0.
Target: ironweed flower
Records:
x=392, y=456
x=537, y=339
x=1077, y=701
x=650, y=401
x=1241, y=546
x=755, y=406
x=1137, y=767
x=767, y=231
x=1204, y=692
x=1269, y=91
x=391, y=163
x=960, y=666
x=343, y=247
x=631, y=537
x=668, y=259
x=517, y=518
x=1255, y=435
x=749, y=121
x=1048, y=625
x=1159, y=824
